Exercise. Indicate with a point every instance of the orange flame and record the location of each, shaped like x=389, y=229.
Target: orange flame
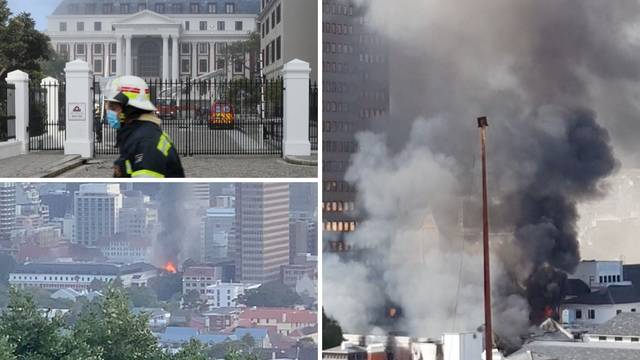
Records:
x=170, y=267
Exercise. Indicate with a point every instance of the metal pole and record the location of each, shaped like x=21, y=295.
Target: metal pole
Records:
x=488, y=342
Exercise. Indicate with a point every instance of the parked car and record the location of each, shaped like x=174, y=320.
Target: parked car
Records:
x=167, y=109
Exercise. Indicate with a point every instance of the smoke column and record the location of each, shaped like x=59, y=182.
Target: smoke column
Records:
x=556, y=79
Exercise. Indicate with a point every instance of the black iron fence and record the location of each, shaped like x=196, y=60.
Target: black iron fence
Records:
x=7, y=111
x=210, y=117
x=47, y=116
x=313, y=115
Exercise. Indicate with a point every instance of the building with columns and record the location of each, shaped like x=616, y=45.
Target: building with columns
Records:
x=156, y=39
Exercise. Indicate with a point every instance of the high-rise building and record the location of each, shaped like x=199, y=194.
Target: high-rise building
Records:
x=96, y=211
x=262, y=231
x=355, y=93
x=200, y=193
x=7, y=210
x=218, y=233
x=136, y=218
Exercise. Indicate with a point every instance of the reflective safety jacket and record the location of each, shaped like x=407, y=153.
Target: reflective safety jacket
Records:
x=147, y=151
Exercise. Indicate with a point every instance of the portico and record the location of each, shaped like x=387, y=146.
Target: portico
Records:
x=143, y=28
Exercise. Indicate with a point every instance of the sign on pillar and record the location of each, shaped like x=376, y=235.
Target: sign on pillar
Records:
x=80, y=136
x=296, y=108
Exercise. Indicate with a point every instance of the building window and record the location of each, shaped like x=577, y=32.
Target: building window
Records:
x=273, y=19
x=212, y=8
x=220, y=25
x=634, y=339
x=80, y=26
x=97, y=49
x=230, y=8
x=267, y=28
x=63, y=26
x=578, y=314
x=633, y=310
x=279, y=13
x=278, y=47
x=97, y=26
x=97, y=66
x=266, y=58
x=176, y=8
x=187, y=25
x=160, y=8
x=124, y=8
x=618, y=278
x=618, y=338
x=203, y=68
x=602, y=338
x=107, y=8
x=203, y=48
x=238, y=25
x=273, y=51
x=80, y=49
x=113, y=49
x=203, y=25
x=238, y=66
x=185, y=66
x=90, y=9
x=219, y=64
x=591, y=314
x=142, y=7
x=601, y=279
x=618, y=312
x=195, y=8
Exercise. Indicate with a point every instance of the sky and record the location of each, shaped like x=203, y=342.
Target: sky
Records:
x=39, y=9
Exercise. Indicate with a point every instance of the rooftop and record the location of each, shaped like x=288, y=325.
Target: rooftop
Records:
x=67, y=268
x=614, y=294
x=623, y=324
x=579, y=351
x=173, y=7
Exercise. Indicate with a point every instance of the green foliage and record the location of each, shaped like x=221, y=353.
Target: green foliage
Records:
x=21, y=45
x=118, y=333
x=331, y=332
x=192, y=300
x=7, y=264
x=6, y=349
x=97, y=285
x=194, y=350
x=166, y=286
x=142, y=297
x=273, y=294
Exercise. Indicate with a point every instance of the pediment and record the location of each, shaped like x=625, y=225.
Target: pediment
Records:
x=147, y=17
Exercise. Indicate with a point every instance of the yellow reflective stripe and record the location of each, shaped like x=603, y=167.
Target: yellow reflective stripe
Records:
x=164, y=144
x=130, y=95
x=128, y=168
x=147, y=174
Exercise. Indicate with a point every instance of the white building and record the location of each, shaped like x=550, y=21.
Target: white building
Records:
x=218, y=233
x=596, y=273
x=262, y=236
x=126, y=249
x=54, y=276
x=168, y=39
x=225, y=295
x=96, y=210
x=288, y=30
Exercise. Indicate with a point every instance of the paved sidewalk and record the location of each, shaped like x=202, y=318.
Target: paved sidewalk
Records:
x=213, y=167
x=32, y=165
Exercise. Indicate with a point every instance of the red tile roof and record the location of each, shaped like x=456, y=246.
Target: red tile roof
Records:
x=281, y=315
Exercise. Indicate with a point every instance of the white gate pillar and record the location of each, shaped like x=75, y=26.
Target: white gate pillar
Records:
x=296, y=108
x=51, y=86
x=20, y=80
x=79, y=109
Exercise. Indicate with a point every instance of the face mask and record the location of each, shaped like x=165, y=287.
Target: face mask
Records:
x=112, y=119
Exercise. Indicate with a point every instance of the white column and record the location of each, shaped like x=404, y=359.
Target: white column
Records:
x=128, y=56
x=20, y=80
x=119, y=57
x=106, y=65
x=296, y=108
x=89, y=50
x=51, y=87
x=175, y=58
x=194, y=60
x=165, y=57
x=79, y=108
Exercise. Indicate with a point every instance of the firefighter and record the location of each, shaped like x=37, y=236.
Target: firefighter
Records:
x=145, y=150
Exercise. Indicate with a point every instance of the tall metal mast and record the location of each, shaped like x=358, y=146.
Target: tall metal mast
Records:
x=488, y=338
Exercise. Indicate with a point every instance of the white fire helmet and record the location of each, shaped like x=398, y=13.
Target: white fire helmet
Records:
x=131, y=91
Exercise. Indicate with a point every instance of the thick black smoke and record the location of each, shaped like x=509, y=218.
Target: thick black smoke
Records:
x=174, y=226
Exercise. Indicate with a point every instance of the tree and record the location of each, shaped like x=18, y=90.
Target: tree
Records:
x=273, y=294
x=192, y=299
x=166, y=286
x=21, y=45
x=6, y=349
x=7, y=265
x=142, y=297
x=115, y=330
x=97, y=285
x=193, y=350
x=331, y=332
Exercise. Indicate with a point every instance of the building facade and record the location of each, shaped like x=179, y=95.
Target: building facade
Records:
x=7, y=210
x=262, y=236
x=96, y=211
x=288, y=30
x=218, y=233
x=159, y=39
x=61, y=275
x=355, y=92
x=225, y=295
x=198, y=278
